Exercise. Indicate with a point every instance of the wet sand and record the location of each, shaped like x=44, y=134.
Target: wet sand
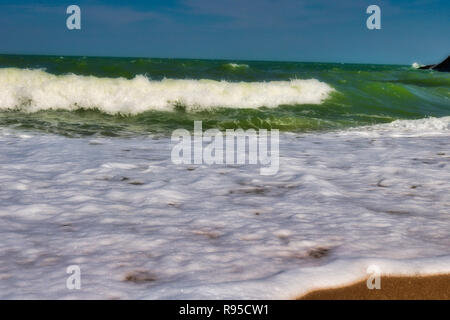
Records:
x=392, y=288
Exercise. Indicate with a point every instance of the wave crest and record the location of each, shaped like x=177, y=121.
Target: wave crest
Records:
x=35, y=90
x=236, y=66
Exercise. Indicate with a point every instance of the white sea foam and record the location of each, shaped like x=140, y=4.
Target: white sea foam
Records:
x=237, y=66
x=418, y=127
x=34, y=90
x=118, y=207
x=416, y=65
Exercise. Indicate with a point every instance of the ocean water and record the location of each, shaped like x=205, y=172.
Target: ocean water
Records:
x=86, y=177
x=79, y=96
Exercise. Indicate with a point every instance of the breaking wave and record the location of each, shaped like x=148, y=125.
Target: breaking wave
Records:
x=35, y=90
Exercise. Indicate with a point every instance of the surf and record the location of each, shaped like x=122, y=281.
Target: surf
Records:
x=110, y=96
x=31, y=90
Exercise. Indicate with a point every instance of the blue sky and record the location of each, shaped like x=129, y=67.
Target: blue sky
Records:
x=295, y=30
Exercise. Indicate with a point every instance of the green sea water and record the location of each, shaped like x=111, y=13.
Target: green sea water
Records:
x=362, y=95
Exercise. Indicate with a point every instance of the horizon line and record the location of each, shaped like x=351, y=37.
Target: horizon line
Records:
x=208, y=59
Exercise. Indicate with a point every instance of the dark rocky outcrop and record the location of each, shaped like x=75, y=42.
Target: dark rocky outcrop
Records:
x=443, y=66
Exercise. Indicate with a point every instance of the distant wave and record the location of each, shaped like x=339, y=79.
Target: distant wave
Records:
x=235, y=66
x=35, y=90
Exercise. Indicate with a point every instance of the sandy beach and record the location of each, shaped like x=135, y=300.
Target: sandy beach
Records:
x=436, y=287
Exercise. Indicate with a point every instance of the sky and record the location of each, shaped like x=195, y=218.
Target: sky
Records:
x=287, y=30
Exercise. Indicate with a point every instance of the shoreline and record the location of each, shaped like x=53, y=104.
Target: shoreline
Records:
x=393, y=287
x=257, y=238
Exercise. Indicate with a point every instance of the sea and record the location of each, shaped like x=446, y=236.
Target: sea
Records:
x=87, y=179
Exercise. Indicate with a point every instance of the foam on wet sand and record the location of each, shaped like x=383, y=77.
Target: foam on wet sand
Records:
x=141, y=227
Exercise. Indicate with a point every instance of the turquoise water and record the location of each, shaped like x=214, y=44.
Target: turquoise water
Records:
x=49, y=100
